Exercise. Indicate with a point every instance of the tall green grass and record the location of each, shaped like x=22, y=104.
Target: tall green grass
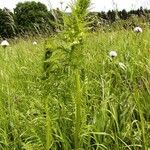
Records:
x=97, y=104
x=114, y=112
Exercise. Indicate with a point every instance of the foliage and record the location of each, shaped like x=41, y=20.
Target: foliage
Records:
x=86, y=99
x=115, y=100
x=7, y=24
x=33, y=17
x=123, y=14
x=67, y=62
x=100, y=19
x=111, y=16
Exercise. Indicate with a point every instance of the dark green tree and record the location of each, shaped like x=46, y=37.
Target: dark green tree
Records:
x=140, y=12
x=7, y=24
x=123, y=14
x=111, y=16
x=33, y=17
x=104, y=15
x=58, y=19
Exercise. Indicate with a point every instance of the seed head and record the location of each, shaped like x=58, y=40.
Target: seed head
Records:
x=122, y=65
x=4, y=43
x=138, y=30
x=34, y=43
x=113, y=54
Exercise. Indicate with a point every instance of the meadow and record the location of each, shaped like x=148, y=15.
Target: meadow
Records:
x=39, y=113
x=68, y=92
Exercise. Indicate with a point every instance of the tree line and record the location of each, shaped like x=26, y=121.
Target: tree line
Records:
x=34, y=18
x=127, y=19
x=27, y=18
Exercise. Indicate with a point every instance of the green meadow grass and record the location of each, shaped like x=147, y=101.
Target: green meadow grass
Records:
x=107, y=107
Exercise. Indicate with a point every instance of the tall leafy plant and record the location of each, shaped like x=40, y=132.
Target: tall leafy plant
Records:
x=66, y=65
x=75, y=28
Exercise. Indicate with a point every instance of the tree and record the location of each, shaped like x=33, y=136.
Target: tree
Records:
x=111, y=16
x=7, y=23
x=104, y=15
x=33, y=17
x=123, y=14
x=140, y=12
x=58, y=18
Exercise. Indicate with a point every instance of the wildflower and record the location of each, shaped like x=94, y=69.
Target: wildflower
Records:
x=34, y=43
x=113, y=54
x=138, y=30
x=4, y=43
x=122, y=66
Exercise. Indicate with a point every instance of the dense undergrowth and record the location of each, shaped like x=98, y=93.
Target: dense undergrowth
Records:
x=78, y=97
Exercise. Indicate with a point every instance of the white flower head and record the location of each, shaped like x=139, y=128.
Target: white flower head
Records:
x=113, y=54
x=122, y=65
x=138, y=30
x=34, y=43
x=4, y=43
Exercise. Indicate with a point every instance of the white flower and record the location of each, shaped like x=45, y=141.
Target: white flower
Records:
x=34, y=43
x=113, y=54
x=138, y=30
x=4, y=43
x=122, y=65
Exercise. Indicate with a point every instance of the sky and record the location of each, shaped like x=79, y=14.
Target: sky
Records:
x=96, y=5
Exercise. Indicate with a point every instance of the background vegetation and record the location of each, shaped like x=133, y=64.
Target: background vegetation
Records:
x=33, y=18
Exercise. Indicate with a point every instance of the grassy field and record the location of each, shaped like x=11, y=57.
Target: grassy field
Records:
x=105, y=105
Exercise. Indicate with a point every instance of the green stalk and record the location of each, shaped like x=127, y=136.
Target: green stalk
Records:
x=142, y=122
x=48, y=127
x=78, y=103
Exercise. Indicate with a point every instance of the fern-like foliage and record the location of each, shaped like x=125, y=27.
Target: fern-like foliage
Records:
x=75, y=27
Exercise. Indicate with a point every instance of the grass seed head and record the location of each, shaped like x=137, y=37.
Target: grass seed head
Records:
x=34, y=43
x=122, y=65
x=113, y=54
x=4, y=43
x=138, y=30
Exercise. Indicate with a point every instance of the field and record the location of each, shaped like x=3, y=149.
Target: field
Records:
x=104, y=105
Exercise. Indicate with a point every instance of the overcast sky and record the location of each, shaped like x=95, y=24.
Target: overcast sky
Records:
x=97, y=5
